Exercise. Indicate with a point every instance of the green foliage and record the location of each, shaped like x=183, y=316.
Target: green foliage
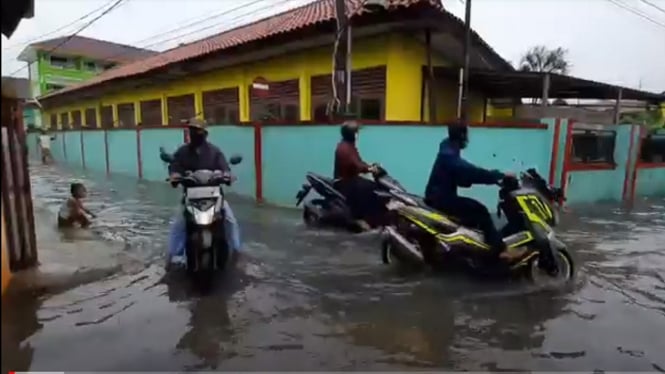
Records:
x=651, y=117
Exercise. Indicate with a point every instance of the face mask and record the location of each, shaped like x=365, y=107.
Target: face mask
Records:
x=196, y=138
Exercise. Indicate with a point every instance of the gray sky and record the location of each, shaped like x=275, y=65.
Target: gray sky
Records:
x=605, y=42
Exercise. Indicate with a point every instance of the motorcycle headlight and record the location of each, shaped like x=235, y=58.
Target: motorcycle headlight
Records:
x=202, y=204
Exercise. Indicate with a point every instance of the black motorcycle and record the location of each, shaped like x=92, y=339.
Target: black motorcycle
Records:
x=206, y=248
x=331, y=209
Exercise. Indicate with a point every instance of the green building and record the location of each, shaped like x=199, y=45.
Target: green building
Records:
x=57, y=63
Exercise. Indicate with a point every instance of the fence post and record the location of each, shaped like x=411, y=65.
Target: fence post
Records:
x=555, y=150
x=568, y=150
x=106, y=151
x=139, y=158
x=82, y=148
x=630, y=164
x=258, y=160
x=64, y=145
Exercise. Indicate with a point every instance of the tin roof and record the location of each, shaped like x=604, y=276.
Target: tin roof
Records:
x=91, y=48
x=16, y=88
x=526, y=84
x=317, y=12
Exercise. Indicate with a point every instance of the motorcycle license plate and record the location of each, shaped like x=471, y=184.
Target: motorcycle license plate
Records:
x=202, y=192
x=394, y=204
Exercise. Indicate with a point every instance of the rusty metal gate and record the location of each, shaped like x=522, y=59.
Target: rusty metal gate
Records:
x=16, y=191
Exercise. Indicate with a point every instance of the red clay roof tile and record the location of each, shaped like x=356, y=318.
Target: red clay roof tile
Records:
x=294, y=19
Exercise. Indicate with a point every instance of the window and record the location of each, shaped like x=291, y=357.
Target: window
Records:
x=151, y=112
x=62, y=62
x=321, y=113
x=126, y=116
x=593, y=147
x=106, y=114
x=281, y=103
x=90, y=117
x=290, y=112
x=221, y=106
x=367, y=108
x=64, y=120
x=53, y=121
x=653, y=149
x=180, y=108
x=369, y=90
x=90, y=66
x=76, y=119
x=53, y=87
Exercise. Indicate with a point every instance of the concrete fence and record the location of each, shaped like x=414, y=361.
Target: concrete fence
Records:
x=276, y=157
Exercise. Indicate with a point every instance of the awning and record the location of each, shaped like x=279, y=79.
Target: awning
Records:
x=522, y=84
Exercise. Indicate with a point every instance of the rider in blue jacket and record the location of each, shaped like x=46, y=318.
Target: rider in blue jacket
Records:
x=450, y=171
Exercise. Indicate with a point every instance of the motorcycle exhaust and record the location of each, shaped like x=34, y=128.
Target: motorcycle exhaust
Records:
x=402, y=246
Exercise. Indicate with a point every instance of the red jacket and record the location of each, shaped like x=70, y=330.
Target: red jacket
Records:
x=348, y=163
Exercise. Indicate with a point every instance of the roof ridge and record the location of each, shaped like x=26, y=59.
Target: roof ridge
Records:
x=312, y=13
x=73, y=36
x=245, y=25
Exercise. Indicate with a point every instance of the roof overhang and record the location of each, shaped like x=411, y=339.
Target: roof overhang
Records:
x=12, y=13
x=521, y=84
x=415, y=20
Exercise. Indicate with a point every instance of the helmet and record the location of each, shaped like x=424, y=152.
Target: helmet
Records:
x=459, y=133
x=349, y=130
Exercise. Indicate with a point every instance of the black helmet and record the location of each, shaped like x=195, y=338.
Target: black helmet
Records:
x=459, y=133
x=349, y=130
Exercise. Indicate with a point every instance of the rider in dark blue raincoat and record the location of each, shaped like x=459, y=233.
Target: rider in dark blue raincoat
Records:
x=450, y=171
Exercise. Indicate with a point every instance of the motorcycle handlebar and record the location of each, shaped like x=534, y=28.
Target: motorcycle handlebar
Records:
x=224, y=178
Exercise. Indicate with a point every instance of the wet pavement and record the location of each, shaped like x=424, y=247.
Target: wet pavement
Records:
x=302, y=300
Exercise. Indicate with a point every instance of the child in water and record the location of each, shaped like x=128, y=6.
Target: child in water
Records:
x=72, y=210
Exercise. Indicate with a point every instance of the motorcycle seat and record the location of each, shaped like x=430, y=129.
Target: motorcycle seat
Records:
x=330, y=185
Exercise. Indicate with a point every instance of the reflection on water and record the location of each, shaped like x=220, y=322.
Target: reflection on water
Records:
x=305, y=300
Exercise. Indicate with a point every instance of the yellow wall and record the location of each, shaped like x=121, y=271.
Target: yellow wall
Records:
x=6, y=273
x=402, y=55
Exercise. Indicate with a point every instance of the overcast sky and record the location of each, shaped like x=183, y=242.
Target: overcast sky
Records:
x=605, y=42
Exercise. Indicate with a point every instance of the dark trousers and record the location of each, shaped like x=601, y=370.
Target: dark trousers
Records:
x=363, y=202
x=472, y=213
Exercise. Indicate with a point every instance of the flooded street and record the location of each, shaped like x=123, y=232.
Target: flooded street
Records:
x=302, y=300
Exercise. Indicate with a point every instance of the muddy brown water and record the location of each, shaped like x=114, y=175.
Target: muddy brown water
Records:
x=304, y=300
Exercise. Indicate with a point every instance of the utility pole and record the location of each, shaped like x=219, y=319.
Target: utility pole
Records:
x=341, y=53
x=464, y=96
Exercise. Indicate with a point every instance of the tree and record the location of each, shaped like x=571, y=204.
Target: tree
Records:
x=542, y=59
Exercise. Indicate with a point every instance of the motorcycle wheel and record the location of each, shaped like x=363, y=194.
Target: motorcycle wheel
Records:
x=386, y=251
x=204, y=276
x=309, y=217
x=565, y=264
x=391, y=256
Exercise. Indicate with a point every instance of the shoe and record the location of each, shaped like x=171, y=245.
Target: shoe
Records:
x=512, y=254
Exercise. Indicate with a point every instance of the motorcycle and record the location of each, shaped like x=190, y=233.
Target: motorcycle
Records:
x=420, y=235
x=332, y=209
x=206, y=248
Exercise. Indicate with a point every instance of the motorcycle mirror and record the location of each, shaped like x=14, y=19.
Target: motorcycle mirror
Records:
x=235, y=159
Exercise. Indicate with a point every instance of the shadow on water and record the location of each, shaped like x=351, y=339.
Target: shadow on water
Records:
x=305, y=300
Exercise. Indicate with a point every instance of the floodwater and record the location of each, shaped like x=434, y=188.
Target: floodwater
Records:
x=302, y=300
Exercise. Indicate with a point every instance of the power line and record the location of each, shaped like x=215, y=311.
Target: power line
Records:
x=29, y=41
x=653, y=5
x=231, y=21
x=193, y=23
x=636, y=12
x=105, y=12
